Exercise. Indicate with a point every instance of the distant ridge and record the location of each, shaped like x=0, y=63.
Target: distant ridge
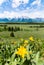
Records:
x=30, y=20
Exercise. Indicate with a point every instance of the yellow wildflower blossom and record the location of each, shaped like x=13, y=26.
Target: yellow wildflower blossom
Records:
x=26, y=41
x=21, y=51
x=13, y=42
x=31, y=38
x=25, y=44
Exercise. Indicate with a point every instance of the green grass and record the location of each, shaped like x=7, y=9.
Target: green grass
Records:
x=26, y=33
x=37, y=33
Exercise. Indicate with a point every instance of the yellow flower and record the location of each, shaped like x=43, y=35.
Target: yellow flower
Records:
x=25, y=44
x=13, y=42
x=31, y=38
x=26, y=41
x=21, y=51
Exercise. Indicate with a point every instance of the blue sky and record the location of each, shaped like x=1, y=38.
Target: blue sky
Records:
x=21, y=8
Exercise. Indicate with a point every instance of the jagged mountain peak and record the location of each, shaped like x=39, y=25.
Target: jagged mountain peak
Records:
x=22, y=19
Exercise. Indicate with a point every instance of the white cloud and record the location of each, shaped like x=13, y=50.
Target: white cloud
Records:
x=38, y=2
x=29, y=12
x=2, y=1
x=25, y=1
x=7, y=14
x=16, y=3
x=34, y=14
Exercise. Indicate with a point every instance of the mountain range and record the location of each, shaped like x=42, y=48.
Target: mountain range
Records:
x=7, y=20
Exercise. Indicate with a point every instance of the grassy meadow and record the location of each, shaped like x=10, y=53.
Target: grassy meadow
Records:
x=26, y=37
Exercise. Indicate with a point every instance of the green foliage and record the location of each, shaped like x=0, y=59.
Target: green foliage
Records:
x=12, y=34
x=10, y=42
x=5, y=27
x=8, y=54
x=14, y=29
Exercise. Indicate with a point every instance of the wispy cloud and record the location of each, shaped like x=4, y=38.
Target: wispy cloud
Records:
x=12, y=14
x=13, y=10
x=36, y=2
x=2, y=1
x=16, y=3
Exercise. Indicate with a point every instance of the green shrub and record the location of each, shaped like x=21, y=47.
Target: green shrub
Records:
x=12, y=34
x=9, y=28
x=5, y=27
